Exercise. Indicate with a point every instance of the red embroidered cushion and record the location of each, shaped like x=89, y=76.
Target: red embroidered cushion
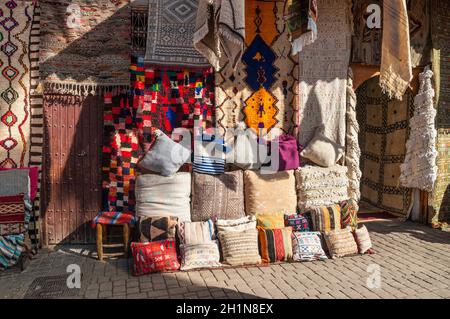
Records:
x=157, y=256
x=12, y=215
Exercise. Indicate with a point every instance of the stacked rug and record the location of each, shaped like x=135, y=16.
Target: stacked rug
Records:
x=419, y=169
x=319, y=186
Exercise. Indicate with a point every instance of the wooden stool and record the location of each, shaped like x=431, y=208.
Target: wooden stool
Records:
x=102, y=237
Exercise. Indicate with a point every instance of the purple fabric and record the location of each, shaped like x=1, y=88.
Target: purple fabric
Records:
x=289, y=154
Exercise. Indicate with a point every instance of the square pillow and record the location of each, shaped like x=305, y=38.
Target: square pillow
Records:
x=269, y=193
x=270, y=221
x=326, y=218
x=340, y=243
x=33, y=174
x=157, y=228
x=161, y=196
x=323, y=151
x=200, y=256
x=349, y=215
x=209, y=154
x=307, y=246
x=240, y=248
x=275, y=244
x=298, y=222
x=363, y=240
x=236, y=225
x=194, y=233
x=218, y=196
x=12, y=215
x=157, y=256
x=166, y=156
x=14, y=182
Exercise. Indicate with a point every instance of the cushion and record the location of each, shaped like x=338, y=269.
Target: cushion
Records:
x=218, y=196
x=318, y=186
x=298, y=222
x=157, y=256
x=322, y=151
x=15, y=181
x=363, y=241
x=340, y=243
x=270, y=193
x=236, y=225
x=240, y=248
x=307, y=246
x=349, y=215
x=157, y=228
x=33, y=174
x=12, y=215
x=326, y=218
x=270, y=221
x=246, y=148
x=209, y=154
x=165, y=156
x=288, y=152
x=161, y=196
x=200, y=256
x=193, y=233
x=275, y=244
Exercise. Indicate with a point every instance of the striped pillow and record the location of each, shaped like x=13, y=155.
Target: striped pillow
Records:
x=340, y=243
x=200, y=256
x=194, y=233
x=275, y=244
x=349, y=215
x=326, y=218
x=240, y=248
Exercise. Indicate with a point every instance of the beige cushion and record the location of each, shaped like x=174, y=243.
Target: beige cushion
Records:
x=363, y=239
x=270, y=193
x=340, y=243
x=323, y=151
x=236, y=225
x=240, y=248
x=194, y=233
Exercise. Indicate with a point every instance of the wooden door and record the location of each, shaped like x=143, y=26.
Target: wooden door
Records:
x=72, y=178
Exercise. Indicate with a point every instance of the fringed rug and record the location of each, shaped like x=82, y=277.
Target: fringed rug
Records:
x=366, y=48
x=170, y=34
x=167, y=99
x=323, y=73
x=15, y=108
x=85, y=45
x=383, y=134
x=120, y=155
x=263, y=89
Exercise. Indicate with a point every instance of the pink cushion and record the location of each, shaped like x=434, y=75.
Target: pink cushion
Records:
x=33, y=173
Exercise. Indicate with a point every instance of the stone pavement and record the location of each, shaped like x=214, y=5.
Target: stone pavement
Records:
x=413, y=261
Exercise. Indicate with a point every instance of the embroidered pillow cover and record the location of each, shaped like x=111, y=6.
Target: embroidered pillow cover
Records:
x=307, y=246
x=298, y=222
x=157, y=228
x=200, y=256
x=158, y=256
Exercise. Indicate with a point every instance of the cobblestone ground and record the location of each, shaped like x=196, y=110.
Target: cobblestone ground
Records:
x=414, y=261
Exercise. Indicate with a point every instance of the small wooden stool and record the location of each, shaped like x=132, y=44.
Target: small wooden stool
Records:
x=102, y=241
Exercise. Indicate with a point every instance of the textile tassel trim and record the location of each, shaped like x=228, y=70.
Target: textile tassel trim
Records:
x=81, y=89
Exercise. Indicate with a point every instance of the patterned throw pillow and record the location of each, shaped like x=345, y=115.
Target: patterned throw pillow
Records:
x=270, y=221
x=218, y=196
x=363, y=241
x=298, y=222
x=200, y=256
x=157, y=256
x=236, y=225
x=349, y=215
x=269, y=193
x=194, y=233
x=340, y=243
x=307, y=246
x=275, y=244
x=240, y=248
x=157, y=228
x=326, y=218
x=12, y=215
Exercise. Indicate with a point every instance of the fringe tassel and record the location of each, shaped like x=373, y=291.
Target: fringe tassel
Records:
x=80, y=89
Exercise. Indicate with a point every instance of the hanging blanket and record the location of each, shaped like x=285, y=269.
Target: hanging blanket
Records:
x=323, y=73
x=170, y=33
x=419, y=169
x=263, y=89
x=396, y=70
x=11, y=248
x=220, y=26
x=15, y=105
x=383, y=134
x=84, y=45
x=301, y=21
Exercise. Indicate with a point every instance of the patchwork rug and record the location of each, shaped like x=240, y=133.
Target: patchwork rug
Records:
x=15, y=30
x=167, y=99
x=323, y=73
x=384, y=130
x=85, y=45
x=366, y=42
x=170, y=34
x=120, y=155
x=263, y=89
